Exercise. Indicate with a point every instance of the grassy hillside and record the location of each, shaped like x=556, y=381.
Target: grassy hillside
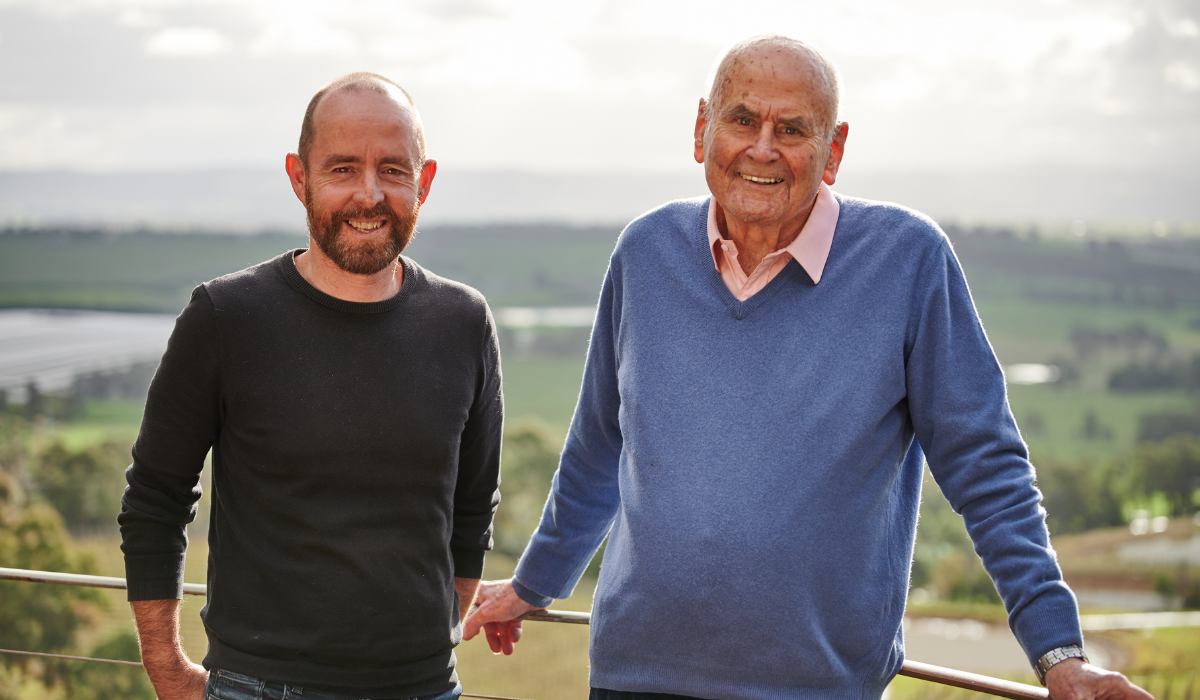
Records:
x=1089, y=308
x=1041, y=299
x=125, y=272
x=514, y=266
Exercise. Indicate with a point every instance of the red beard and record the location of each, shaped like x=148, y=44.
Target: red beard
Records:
x=361, y=257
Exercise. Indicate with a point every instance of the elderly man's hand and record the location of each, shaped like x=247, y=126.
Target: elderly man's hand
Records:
x=499, y=608
x=1075, y=680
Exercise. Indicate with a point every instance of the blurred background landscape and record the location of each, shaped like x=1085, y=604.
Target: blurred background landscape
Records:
x=1056, y=143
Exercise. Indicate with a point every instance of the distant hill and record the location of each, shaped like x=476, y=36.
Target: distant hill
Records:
x=562, y=265
x=1089, y=307
x=531, y=265
x=254, y=200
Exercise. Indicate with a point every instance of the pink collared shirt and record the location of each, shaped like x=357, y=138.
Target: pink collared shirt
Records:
x=810, y=249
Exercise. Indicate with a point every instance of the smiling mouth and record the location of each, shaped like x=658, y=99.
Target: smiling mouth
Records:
x=761, y=180
x=364, y=226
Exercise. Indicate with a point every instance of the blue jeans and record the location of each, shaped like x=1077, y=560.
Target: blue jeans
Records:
x=224, y=685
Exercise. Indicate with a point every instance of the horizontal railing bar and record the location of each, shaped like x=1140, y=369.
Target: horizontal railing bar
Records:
x=84, y=580
x=973, y=681
x=912, y=669
x=567, y=616
x=69, y=657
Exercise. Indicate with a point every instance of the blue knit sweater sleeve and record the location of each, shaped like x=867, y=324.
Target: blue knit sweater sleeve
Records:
x=584, y=496
x=960, y=413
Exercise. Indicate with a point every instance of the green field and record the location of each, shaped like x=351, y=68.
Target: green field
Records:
x=1087, y=307
x=542, y=387
x=1032, y=292
x=514, y=266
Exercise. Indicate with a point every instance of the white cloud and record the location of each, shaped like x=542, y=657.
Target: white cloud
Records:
x=137, y=17
x=537, y=84
x=1184, y=76
x=1185, y=27
x=187, y=41
x=150, y=136
x=301, y=36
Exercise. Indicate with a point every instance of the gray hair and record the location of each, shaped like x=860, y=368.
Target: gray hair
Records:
x=831, y=78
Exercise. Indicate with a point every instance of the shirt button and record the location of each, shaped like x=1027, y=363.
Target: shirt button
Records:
x=724, y=247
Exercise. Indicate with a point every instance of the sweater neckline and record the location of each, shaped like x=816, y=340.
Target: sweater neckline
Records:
x=739, y=309
x=293, y=276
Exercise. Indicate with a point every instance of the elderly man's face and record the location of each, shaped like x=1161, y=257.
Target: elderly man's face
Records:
x=362, y=186
x=766, y=147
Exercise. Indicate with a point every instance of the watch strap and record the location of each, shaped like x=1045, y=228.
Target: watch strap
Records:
x=1054, y=656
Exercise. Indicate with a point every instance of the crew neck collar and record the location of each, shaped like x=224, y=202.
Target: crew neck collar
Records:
x=293, y=276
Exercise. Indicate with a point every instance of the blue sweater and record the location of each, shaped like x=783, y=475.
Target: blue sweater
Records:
x=756, y=464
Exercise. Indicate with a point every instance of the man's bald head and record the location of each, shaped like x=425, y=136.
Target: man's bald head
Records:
x=828, y=81
x=361, y=81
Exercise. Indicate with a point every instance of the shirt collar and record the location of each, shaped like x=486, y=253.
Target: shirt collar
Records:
x=811, y=247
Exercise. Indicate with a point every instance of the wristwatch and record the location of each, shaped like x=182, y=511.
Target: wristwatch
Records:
x=1074, y=651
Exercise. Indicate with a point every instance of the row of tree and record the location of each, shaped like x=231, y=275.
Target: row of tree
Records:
x=48, y=618
x=52, y=490
x=1159, y=374
x=1163, y=477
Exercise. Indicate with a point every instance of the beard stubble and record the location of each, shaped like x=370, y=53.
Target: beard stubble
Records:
x=361, y=257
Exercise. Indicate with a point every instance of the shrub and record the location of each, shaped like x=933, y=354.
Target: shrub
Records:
x=97, y=681
x=1081, y=495
x=1156, y=376
x=1171, y=467
x=529, y=460
x=1156, y=427
x=944, y=560
x=41, y=617
x=84, y=486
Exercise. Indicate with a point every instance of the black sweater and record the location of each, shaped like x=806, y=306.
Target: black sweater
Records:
x=356, y=454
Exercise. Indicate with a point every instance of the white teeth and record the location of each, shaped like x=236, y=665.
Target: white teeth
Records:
x=371, y=226
x=764, y=180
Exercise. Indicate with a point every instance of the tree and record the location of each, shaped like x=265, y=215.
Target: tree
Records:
x=529, y=460
x=1156, y=427
x=1171, y=467
x=35, y=404
x=1081, y=496
x=47, y=617
x=40, y=617
x=97, y=681
x=84, y=486
x=944, y=560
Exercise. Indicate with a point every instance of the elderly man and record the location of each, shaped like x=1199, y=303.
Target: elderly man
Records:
x=763, y=364
x=352, y=403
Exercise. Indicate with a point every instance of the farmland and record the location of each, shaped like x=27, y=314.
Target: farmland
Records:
x=1091, y=308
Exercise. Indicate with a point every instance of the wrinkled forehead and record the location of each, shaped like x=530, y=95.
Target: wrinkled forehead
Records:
x=780, y=69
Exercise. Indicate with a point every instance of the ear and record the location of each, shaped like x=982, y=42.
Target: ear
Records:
x=297, y=175
x=427, y=174
x=701, y=125
x=837, y=149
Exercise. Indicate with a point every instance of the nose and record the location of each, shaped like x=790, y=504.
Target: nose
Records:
x=369, y=192
x=764, y=147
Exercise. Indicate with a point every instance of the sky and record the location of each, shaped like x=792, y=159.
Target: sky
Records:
x=596, y=85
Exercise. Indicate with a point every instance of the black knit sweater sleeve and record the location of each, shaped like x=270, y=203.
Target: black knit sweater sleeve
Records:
x=355, y=464
x=477, y=492
x=179, y=426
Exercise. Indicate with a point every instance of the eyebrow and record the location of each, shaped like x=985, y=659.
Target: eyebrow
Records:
x=336, y=158
x=740, y=110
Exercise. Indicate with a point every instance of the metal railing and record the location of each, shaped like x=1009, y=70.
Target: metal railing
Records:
x=912, y=669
